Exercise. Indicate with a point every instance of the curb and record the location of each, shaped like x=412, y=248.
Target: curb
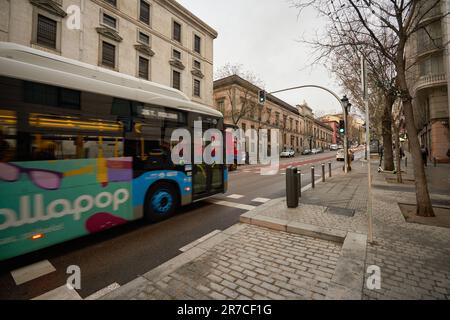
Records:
x=348, y=279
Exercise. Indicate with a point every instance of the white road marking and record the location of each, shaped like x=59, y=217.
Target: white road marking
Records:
x=261, y=200
x=235, y=196
x=32, y=272
x=103, y=291
x=231, y=204
x=61, y=293
x=198, y=241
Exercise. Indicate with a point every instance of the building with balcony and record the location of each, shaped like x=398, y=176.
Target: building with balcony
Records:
x=428, y=78
x=157, y=40
x=237, y=99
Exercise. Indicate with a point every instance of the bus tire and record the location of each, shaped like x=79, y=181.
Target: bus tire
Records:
x=161, y=202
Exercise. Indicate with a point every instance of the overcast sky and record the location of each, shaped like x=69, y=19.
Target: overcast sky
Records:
x=263, y=36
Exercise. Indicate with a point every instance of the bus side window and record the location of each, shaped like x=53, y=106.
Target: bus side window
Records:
x=8, y=135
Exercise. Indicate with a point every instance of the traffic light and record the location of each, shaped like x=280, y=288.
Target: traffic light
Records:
x=261, y=96
x=342, y=127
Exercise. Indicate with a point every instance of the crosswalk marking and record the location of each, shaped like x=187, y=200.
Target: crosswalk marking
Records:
x=61, y=293
x=235, y=196
x=198, y=241
x=103, y=292
x=32, y=272
x=261, y=200
x=231, y=204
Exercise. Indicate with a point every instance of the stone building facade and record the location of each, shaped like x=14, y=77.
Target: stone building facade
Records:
x=356, y=131
x=237, y=99
x=158, y=40
x=429, y=69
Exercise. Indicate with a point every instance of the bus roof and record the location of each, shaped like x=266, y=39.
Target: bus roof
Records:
x=25, y=63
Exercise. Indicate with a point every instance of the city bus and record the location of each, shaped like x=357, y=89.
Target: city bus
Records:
x=84, y=149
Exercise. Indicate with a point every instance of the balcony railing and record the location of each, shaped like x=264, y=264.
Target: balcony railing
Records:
x=429, y=81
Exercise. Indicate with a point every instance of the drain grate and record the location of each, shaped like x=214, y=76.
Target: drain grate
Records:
x=341, y=211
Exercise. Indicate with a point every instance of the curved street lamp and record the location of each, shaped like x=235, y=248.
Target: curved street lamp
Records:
x=345, y=104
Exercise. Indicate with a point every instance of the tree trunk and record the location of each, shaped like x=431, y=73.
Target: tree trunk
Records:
x=424, y=207
x=398, y=155
x=387, y=133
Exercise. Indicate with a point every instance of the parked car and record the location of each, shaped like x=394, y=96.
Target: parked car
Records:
x=306, y=152
x=315, y=151
x=334, y=147
x=340, y=156
x=288, y=153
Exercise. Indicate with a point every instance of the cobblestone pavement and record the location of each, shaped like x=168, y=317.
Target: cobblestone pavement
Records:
x=258, y=263
x=414, y=259
x=255, y=263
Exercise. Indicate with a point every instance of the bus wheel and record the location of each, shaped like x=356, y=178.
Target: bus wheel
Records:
x=161, y=202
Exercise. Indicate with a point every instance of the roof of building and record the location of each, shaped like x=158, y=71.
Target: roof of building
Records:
x=21, y=62
x=235, y=79
x=190, y=16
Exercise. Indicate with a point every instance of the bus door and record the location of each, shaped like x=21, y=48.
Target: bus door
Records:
x=207, y=179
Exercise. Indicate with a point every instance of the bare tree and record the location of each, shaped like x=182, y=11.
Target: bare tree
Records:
x=243, y=102
x=346, y=65
x=384, y=27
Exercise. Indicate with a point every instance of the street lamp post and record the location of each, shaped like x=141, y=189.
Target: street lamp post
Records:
x=346, y=105
x=341, y=101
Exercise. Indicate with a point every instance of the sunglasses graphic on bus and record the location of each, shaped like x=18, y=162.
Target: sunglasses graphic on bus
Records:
x=118, y=171
x=44, y=179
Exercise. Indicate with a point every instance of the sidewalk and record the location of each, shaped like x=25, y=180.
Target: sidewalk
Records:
x=317, y=251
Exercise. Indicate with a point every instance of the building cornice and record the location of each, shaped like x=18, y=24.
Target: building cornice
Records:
x=142, y=48
x=186, y=14
x=50, y=6
x=109, y=33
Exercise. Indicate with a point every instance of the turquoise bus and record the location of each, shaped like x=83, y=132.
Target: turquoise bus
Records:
x=84, y=149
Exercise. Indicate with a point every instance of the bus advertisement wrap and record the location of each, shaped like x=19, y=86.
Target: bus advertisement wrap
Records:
x=47, y=202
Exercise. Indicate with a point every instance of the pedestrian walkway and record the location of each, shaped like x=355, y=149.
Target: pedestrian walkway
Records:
x=317, y=251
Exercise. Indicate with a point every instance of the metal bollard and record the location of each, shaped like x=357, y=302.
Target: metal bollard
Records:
x=329, y=168
x=313, y=177
x=406, y=162
x=323, y=172
x=435, y=162
x=299, y=173
x=292, y=188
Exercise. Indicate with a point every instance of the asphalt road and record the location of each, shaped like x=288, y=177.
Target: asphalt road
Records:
x=121, y=255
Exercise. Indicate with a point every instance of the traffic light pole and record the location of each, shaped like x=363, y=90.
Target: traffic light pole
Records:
x=344, y=109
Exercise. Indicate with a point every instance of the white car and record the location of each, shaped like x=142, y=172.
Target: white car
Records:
x=340, y=156
x=289, y=153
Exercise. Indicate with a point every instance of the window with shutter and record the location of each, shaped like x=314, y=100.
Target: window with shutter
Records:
x=46, y=31
x=176, y=54
x=109, y=55
x=196, y=88
x=176, y=80
x=143, y=38
x=144, y=14
x=109, y=21
x=176, y=31
x=143, y=68
x=197, y=44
